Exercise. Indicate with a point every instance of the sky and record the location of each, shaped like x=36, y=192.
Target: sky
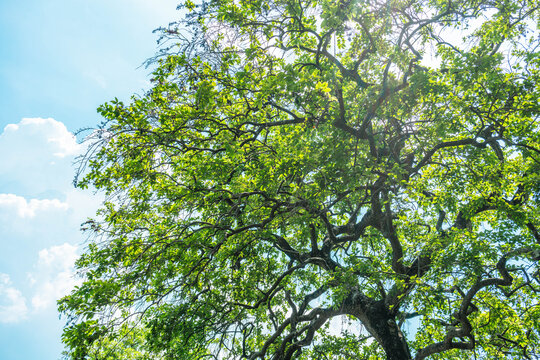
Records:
x=59, y=60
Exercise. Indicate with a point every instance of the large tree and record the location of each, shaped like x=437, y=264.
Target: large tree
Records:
x=298, y=161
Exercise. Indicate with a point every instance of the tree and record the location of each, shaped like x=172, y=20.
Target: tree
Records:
x=298, y=161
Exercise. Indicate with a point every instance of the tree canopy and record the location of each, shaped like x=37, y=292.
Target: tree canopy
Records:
x=320, y=179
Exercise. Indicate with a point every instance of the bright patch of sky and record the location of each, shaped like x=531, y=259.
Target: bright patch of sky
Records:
x=60, y=61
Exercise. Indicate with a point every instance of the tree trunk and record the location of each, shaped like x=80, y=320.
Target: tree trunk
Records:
x=380, y=323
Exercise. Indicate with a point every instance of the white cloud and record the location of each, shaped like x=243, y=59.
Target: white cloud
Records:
x=53, y=132
x=12, y=302
x=41, y=153
x=40, y=215
x=54, y=275
x=28, y=209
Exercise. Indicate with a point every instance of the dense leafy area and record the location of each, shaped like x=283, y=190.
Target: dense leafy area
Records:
x=298, y=161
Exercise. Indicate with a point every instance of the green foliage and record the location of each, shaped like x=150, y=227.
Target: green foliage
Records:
x=297, y=162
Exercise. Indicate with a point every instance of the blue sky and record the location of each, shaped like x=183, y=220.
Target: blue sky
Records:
x=59, y=60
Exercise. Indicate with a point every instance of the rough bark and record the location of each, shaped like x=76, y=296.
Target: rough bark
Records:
x=380, y=323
